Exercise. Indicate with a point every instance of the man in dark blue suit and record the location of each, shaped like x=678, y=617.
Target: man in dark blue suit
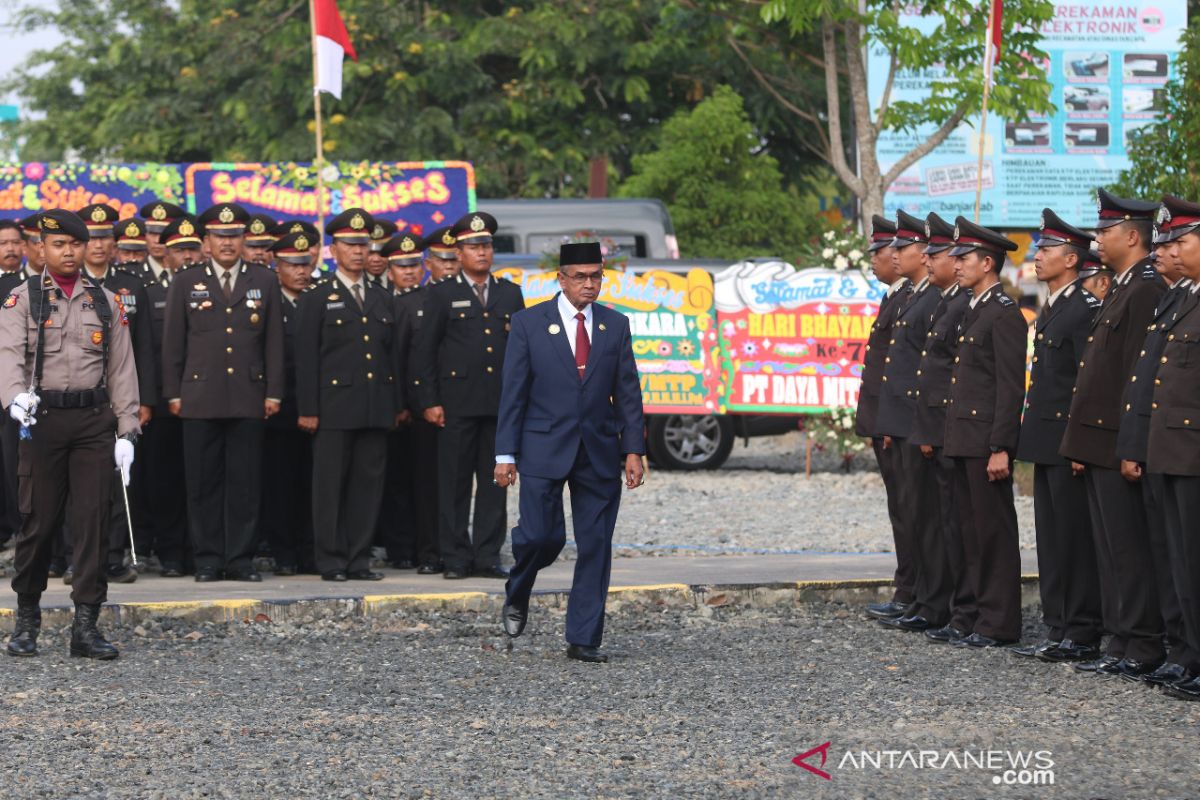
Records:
x=570, y=411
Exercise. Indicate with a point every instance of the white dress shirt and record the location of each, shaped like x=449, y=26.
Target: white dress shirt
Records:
x=570, y=325
x=349, y=284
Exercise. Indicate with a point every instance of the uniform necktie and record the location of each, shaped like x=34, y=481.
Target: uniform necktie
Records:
x=582, y=345
x=358, y=297
x=227, y=287
x=481, y=290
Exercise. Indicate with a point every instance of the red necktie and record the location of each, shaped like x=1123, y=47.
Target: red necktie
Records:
x=582, y=345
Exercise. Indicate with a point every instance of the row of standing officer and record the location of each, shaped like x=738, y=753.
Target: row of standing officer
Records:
x=1105, y=421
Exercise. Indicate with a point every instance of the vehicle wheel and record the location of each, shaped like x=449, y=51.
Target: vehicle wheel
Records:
x=690, y=441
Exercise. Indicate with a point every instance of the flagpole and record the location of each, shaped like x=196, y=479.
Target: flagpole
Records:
x=320, y=134
x=987, y=91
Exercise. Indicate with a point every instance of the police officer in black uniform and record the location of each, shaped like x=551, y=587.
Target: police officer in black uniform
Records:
x=899, y=394
x=256, y=246
x=157, y=216
x=1128, y=597
x=883, y=234
x=443, y=255
x=459, y=354
x=130, y=236
x=983, y=422
x=287, y=466
x=1066, y=558
x=377, y=265
x=929, y=426
x=1132, y=445
x=348, y=397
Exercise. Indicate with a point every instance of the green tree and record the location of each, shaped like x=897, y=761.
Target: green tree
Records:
x=1163, y=157
x=725, y=195
x=953, y=47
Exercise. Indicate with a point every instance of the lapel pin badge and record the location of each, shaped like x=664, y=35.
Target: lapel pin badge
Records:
x=554, y=329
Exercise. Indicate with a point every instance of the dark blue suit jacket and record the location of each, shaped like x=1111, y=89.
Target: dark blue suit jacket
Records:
x=546, y=410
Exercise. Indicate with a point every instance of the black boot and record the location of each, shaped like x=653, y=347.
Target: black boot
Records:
x=86, y=641
x=29, y=625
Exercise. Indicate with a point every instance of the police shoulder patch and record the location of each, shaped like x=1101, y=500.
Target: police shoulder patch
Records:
x=1004, y=300
x=1149, y=273
x=11, y=300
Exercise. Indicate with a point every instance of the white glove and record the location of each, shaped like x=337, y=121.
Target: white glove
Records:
x=23, y=408
x=123, y=455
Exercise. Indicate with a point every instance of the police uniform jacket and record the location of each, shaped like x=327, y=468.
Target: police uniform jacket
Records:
x=1174, y=443
x=1114, y=341
x=873, y=360
x=409, y=309
x=286, y=418
x=898, y=393
x=156, y=314
x=460, y=346
x=937, y=362
x=10, y=280
x=132, y=293
x=1059, y=339
x=1133, y=437
x=223, y=359
x=987, y=385
x=73, y=348
x=347, y=372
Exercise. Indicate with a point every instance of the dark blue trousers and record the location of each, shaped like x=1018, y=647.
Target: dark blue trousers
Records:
x=541, y=533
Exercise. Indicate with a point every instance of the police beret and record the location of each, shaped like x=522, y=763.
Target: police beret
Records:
x=440, y=244
x=938, y=233
x=293, y=248
x=58, y=220
x=1056, y=232
x=1182, y=217
x=1114, y=210
x=258, y=230
x=99, y=219
x=158, y=214
x=403, y=250
x=182, y=231
x=883, y=231
x=909, y=230
x=969, y=237
x=474, y=228
x=352, y=226
x=573, y=253
x=224, y=219
x=130, y=234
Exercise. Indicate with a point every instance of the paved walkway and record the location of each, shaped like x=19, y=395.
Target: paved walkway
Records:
x=626, y=572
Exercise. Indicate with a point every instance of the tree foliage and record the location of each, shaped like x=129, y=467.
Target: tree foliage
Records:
x=725, y=195
x=1164, y=157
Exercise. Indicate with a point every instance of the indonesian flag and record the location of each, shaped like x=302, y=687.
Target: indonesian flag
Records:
x=331, y=44
x=997, y=28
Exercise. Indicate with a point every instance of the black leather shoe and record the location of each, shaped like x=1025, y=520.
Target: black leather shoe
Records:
x=883, y=610
x=514, y=619
x=429, y=569
x=68, y=576
x=172, y=571
x=207, y=575
x=1031, y=650
x=86, y=641
x=495, y=571
x=591, y=655
x=364, y=575
x=1167, y=674
x=947, y=634
x=403, y=563
x=336, y=576
x=56, y=569
x=118, y=573
x=27, y=627
x=1133, y=670
x=912, y=623
x=454, y=574
x=284, y=570
x=1188, y=690
x=1101, y=664
x=247, y=576
x=1068, y=650
x=978, y=640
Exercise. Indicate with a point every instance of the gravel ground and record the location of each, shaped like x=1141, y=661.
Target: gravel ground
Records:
x=707, y=703
x=759, y=502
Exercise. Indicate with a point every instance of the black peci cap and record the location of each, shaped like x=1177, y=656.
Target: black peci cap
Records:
x=575, y=253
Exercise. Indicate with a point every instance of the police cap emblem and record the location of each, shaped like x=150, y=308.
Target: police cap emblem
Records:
x=357, y=222
x=158, y=212
x=301, y=242
x=186, y=228
x=477, y=223
x=98, y=214
x=257, y=227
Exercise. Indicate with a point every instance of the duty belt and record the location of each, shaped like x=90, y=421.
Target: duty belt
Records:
x=88, y=398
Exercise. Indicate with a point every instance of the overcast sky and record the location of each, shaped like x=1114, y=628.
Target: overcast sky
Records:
x=17, y=46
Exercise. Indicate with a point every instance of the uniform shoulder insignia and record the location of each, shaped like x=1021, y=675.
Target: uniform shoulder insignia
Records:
x=1090, y=298
x=1149, y=273
x=11, y=300
x=1004, y=300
